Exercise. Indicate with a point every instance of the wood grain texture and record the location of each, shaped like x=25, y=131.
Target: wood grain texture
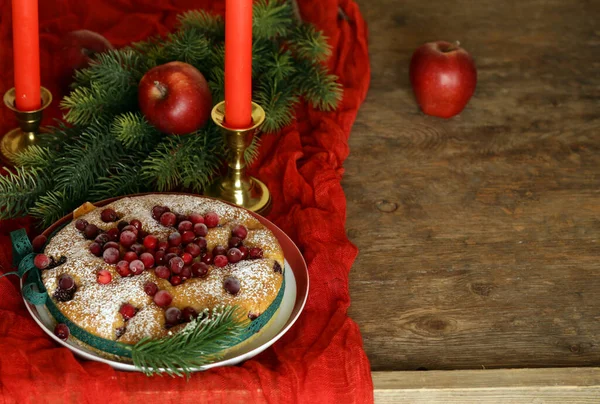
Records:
x=566, y=385
x=479, y=236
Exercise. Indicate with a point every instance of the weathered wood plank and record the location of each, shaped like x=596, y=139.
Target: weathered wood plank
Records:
x=479, y=236
x=556, y=385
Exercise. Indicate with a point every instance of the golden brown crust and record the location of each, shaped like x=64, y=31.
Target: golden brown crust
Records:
x=95, y=307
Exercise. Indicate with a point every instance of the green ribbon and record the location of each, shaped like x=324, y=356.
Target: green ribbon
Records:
x=35, y=292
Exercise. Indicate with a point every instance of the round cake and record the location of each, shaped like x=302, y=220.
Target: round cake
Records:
x=144, y=266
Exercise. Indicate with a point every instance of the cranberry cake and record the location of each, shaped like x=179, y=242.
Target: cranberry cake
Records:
x=144, y=266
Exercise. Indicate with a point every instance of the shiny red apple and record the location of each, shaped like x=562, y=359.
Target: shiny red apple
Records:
x=75, y=51
x=175, y=98
x=443, y=78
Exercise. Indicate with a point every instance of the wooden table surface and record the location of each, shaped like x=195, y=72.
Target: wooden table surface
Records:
x=479, y=236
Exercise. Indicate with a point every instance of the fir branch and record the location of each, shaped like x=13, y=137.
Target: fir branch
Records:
x=199, y=343
x=35, y=156
x=59, y=136
x=216, y=82
x=123, y=179
x=86, y=159
x=160, y=168
x=82, y=106
x=278, y=102
x=319, y=87
x=251, y=152
x=308, y=43
x=20, y=190
x=271, y=19
x=52, y=206
x=279, y=65
x=189, y=46
x=204, y=151
x=212, y=26
x=116, y=69
x=134, y=131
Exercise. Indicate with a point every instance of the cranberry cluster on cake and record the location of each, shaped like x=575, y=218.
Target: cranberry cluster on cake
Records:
x=142, y=266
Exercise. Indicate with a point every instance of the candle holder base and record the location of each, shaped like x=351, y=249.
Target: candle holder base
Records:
x=236, y=186
x=18, y=139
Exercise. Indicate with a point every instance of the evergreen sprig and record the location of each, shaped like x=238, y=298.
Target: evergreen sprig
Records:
x=105, y=147
x=197, y=344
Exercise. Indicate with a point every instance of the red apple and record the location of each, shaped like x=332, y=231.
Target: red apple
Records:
x=175, y=98
x=75, y=51
x=443, y=78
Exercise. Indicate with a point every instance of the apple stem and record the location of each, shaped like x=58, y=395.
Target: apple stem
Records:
x=452, y=47
x=161, y=89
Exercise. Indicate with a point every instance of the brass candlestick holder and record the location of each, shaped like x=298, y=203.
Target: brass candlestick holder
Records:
x=27, y=133
x=236, y=186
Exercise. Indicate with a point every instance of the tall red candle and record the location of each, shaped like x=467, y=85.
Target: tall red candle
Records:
x=26, y=48
x=238, y=63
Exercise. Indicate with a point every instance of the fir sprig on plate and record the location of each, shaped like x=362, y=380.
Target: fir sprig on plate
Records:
x=198, y=344
x=107, y=148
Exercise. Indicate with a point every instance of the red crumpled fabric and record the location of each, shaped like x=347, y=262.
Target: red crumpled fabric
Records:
x=321, y=359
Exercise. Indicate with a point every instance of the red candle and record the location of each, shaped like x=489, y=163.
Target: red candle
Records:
x=26, y=48
x=238, y=63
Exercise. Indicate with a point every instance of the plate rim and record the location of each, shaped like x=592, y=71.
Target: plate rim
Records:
x=297, y=265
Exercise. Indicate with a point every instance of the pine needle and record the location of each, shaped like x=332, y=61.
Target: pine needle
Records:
x=19, y=190
x=134, y=131
x=271, y=19
x=206, y=23
x=35, y=156
x=52, y=206
x=310, y=44
x=197, y=344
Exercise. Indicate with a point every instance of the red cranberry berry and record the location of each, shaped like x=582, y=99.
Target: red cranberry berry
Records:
x=200, y=229
x=176, y=265
x=180, y=218
x=41, y=261
x=65, y=282
x=127, y=238
x=136, y=267
x=130, y=256
x=137, y=224
x=199, y=269
x=111, y=255
x=90, y=231
x=207, y=258
x=127, y=311
x=150, y=242
x=163, y=245
x=174, y=239
x=186, y=273
x=174, y=250
x=187, y=258
x=193, y=249
x=147, y=259
x=113, y=234
x=95, y=249
x=168, y=219
x=240, y=231
x=162, y=271
x=102, y=238
x=122, y=224
x=175, y=280
x=244, y=250
x=234, y=242
x=169, y=256
x=81, y=224
x=110, y=244
x=162, y=298
x=150, y=288
x=188, y=314
x=157, y=211
x=131, y=229
x=277, y=268
x=220, y=261
x=103, y=277
x=173, y=316
x=38, y=243
x=108, y=215
x=211, y=219
x=187, y=237
x=234, y=255
x=219, y=250
x=159, y=257
x=184, y=226
x=123, y=268
x=137, y=248
x=232, y=285
x=196, y=218
x=255, y=252
x=62, y=331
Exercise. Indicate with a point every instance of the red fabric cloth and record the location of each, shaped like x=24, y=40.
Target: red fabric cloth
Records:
x=321, y=359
